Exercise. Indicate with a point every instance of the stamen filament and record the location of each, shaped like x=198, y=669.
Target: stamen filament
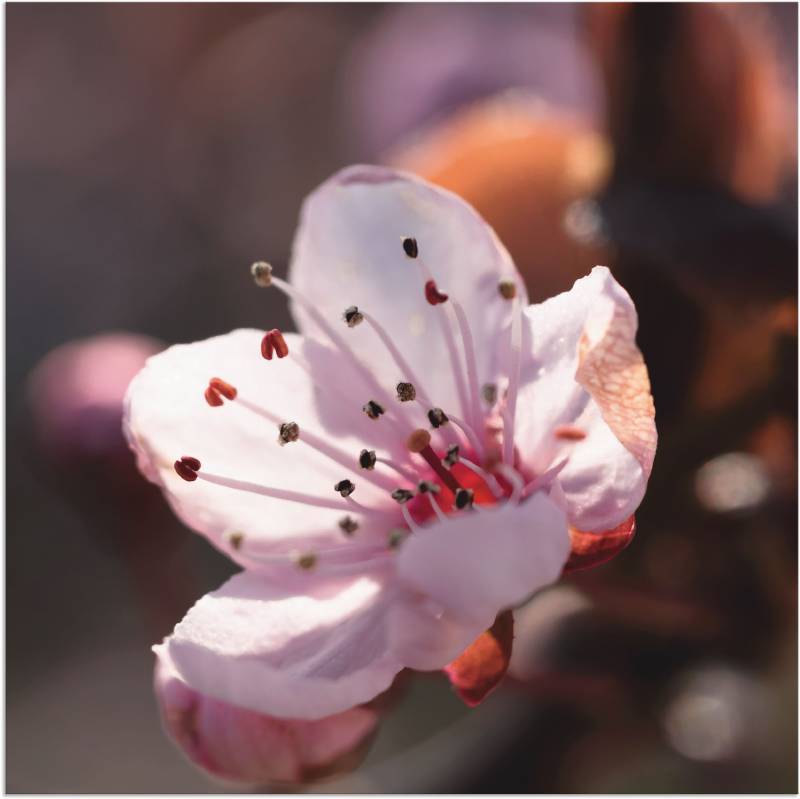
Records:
x=510, y=412
x=487, y=478
x=435, y=505
x=403, y=472
x=471, y=439
x=472, y=368
x=412, y=525
x=545, y=478
x=513, y=477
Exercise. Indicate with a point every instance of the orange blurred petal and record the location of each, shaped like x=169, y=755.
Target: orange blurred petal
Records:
x=477, y=671
x=592, y=549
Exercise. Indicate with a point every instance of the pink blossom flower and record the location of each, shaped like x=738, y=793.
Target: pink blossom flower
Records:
x=405, y=468
x=241, y=745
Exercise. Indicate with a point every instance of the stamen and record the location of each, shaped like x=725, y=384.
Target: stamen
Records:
x=307, y=561
x=274, y=341
x=212, y=397
x=489, y=393
x=451, y=458
x=345, y=487
x=427, y=487
x=545, y=478
x=288, y=432
x=433, y=295
x=410, y=247
x=437, y=417
x=513, y=477
x=353, y=316
x=444, y=474
x=235, y=539
x=373, y=410
x=221, y=387
x=468, y=433
x=568, y=432
x=262, y=273
x=396, y=467
x=367, y=459
x=402, y=495
x=464, y=498
x=187, y=467
x=406, y=392
x=487, y=478
x=507, y=289
x=440, y=514
x=396, y=537
x=348, y=525
x=469, y=359
x=409, y=519
x=509, y=415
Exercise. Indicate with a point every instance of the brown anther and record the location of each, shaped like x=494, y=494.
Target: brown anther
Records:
x=406, y=392
x=373, y=410
x=367, y=459
x=235, y=540
x=402, y=495
x=353, y=316
x=187, y=468
x=348, y=525
x=433, y=295
x=464, y=497
x=410, y=247
x=220, y=386
x=212, y=397
x=427, y=487
x=288, y=432
x=437, y=417
x=345, y=487
x=568, y=432
x=396, y=538
x=507, y=289
x=262, y=273
x=451, y=459
x=307, y=561
x=418, y=440
x=489, y=393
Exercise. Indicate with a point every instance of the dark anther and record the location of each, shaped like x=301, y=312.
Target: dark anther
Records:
x=373, y=410
x=427, y=487
x=437, y=417
x=489, y=393
x=507, y=289
x=307, y=561
x=288, y=432
x=464, y=497
x=353, y=316
x=406, y=392
x=345, y=487
x=235, y=540
x=187, y=467
x=262, y=273
x=402, y=495
x=367, y=458
x=396, y=538
x=348, y=525
x=433, y=295
x=410, y=247
x=451, y=458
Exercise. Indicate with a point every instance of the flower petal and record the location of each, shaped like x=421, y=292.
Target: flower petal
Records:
x=167, y=417
x=292, y=654
x=479, y=669
x=592, y=549
x=253, y=748
x=479, y=563
x=347, y=251
x=584, y=377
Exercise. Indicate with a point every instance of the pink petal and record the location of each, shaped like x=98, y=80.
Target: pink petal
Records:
x=167, y=417
x=348, y=251
x=482, y=666
x=479, y=563
x=272, y=649
x=584, y=375
x=248, y=747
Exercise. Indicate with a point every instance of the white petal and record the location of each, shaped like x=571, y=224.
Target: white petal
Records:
x=348, y=251
x=293, y=654
x=581, y=368
x=167, y=418
x=476, y=564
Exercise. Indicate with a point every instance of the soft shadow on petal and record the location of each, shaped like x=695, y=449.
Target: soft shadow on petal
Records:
x=244, y=746
x=348, y=251
x=303, y=652
x=592, y=549
x=479, y=669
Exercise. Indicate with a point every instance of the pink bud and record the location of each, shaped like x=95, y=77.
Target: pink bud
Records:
x=240, y=745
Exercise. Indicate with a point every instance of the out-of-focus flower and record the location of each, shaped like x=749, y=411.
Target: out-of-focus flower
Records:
x=247, y=747
x=405, y=470
x=732, y=482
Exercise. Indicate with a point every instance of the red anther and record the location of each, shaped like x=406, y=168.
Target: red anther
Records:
x=212, y=397
x=279, y=342
x=187, y=468
x=226, y=389
x=433, y=295
x=568, y=432
x=274, y=342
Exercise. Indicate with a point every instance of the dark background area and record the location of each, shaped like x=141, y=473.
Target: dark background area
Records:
x=154, y=151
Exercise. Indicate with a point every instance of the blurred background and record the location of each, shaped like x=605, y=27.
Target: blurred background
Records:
x=154, y=151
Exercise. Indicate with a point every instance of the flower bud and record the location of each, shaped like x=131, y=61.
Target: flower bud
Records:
x=240, y=745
